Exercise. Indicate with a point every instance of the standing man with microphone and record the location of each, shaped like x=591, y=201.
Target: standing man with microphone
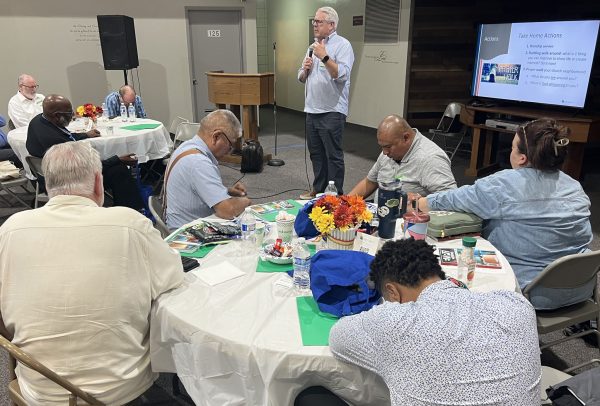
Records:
x=326, y=73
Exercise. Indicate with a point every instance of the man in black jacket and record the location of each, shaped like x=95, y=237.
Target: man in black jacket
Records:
x=50, y=128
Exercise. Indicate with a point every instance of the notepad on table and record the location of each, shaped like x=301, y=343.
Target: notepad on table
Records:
x=216, y=274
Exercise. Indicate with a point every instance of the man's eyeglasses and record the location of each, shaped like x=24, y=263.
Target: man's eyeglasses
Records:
x=31, y=87
x=231, y=147
x=68, y=114
x=319, y=22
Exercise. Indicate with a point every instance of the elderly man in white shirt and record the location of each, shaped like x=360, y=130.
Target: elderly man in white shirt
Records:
x=27, y=103
x=77, y=281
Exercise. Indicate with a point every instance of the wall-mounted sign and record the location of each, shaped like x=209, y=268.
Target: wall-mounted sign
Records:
x=357, y=20
x=214, y=33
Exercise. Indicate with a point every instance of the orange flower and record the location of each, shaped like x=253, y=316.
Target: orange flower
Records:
x=89, y=110
x=347, y=211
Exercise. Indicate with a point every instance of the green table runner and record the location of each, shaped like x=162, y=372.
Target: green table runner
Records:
x=272, y=215
x=314, y=324
x=137, y=127
x=267, y=266
x=200, y=252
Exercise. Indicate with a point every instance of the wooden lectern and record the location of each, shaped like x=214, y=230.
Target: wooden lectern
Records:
x=242, y=89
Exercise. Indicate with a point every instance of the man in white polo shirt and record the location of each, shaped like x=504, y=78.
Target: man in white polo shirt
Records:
x=419, y=163
x=27, y=103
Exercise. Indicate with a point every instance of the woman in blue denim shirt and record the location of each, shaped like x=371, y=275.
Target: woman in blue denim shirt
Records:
x=533, y=213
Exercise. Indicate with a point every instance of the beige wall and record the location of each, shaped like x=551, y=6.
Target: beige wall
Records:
x=379, y=75
x=57, y=42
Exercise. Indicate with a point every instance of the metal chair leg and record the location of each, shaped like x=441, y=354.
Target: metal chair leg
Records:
x=23, y=202
x=37, y=194
x=457, y=146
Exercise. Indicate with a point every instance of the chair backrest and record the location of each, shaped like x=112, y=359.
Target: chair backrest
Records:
x=449, y=121
x=156, y=208
x=568, y=272
x=27, y=360
x=186, y=131
x=175, y=123
x=35, y=165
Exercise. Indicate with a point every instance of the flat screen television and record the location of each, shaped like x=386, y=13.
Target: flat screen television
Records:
x=538, y=62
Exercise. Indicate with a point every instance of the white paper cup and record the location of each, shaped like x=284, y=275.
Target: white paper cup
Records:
x=285, y=229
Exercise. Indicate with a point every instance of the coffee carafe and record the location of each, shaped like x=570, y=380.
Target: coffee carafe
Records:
x=391, y=205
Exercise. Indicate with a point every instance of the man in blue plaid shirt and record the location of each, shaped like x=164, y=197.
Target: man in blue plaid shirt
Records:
x=126, y=94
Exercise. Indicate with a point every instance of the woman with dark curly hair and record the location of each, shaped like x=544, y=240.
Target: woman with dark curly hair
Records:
x=533, y=213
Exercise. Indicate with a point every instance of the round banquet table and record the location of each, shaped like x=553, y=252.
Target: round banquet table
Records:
x=147, y=144
x=239, y=342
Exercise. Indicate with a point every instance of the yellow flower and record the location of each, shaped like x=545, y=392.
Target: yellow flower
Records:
x=80, y=110
x=322, y=219
x=366, y=216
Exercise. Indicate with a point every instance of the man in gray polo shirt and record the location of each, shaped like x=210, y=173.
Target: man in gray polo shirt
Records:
x=193, y=183
x=419, y=163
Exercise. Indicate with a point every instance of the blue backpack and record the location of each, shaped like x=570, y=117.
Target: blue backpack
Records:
x=339, y=282
x=304, y=226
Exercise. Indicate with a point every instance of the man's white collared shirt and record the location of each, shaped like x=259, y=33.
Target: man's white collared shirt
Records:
x=21, y=110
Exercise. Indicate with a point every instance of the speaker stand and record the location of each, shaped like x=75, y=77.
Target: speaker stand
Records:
x=125, y=76
x=275, y=161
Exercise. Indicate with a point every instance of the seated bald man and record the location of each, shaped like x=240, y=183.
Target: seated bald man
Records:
x=407, y=155
x=126, y=95
x=193, y=184
x=50, y=128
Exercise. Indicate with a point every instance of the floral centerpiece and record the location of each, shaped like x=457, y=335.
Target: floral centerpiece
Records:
x=89, y=110
x=338, y=217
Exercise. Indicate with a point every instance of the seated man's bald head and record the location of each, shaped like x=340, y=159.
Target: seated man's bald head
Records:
x=55, y=102
x=221, y=119
x=58, y=110
x=394, y=124
x=127, y=94
x=220, y=130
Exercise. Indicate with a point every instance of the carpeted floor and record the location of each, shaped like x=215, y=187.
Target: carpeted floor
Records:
x=361, y=151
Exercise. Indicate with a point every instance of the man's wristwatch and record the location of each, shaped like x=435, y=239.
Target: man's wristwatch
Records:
x=325, y=59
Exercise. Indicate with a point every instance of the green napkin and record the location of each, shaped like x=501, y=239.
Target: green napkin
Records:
x=266, y=266
x=137, y=127
x=200, y=252
x=270, y=217
x=314, y=324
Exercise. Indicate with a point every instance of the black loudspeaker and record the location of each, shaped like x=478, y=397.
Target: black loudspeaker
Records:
x=117, y=38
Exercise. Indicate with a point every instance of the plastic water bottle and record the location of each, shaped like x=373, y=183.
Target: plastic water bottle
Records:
x=331, y=189
x=248, y=226
x=104, y=112
x=466, y=261
x=123, y=112
x=131, y=112
x=301, y=267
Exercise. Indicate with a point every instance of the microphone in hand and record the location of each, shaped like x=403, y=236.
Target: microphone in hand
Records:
x=311, y=48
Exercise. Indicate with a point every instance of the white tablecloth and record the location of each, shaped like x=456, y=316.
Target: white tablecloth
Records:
x=146, y=144
x=239, y=343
